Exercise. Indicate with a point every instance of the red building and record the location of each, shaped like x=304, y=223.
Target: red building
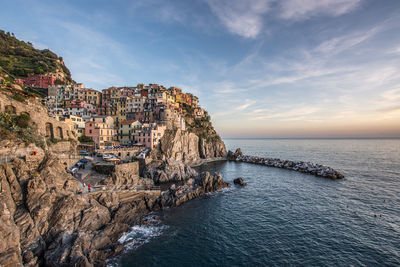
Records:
x=144, y=92
x=39, y=80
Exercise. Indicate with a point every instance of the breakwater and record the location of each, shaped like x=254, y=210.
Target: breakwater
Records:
x=300, y=166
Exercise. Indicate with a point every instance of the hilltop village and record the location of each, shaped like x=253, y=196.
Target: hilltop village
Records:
x=79, y=167
x=117, y=116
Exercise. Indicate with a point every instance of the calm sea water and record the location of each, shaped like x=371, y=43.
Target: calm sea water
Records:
x=283, y=217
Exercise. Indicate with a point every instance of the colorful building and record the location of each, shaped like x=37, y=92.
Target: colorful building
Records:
x=39, y=80
x=101, y=133
x=151, y=134
x=129, y=131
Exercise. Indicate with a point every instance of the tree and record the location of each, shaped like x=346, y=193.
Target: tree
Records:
x=22, y=120
x=85, y=139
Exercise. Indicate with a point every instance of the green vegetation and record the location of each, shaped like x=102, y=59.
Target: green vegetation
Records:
x=85, y=139
x=19, y=98
x=14, y=127
x=21, y=59
x=202, y=127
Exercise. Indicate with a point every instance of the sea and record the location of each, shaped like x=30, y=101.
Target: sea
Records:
x=282, y=217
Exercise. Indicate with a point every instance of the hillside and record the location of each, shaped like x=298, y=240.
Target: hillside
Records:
x=21, y=59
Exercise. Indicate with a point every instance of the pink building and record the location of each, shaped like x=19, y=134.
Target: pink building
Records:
x=151, y=134
x=101, y=130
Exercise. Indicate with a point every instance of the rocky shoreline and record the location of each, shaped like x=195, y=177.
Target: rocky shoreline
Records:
x=46, y=223
x=300, y=166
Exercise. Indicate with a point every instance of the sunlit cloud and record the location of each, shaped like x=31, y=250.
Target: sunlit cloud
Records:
x=244, y=18
x=303, y=9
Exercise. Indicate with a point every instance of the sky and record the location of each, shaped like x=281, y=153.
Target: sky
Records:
x=262, y=68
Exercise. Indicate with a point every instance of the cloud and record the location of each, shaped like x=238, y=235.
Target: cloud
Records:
x=389, y=109
x=342, y=43
x=304, y=9
x=300, y=113
x=247, y=104
x=244, y=18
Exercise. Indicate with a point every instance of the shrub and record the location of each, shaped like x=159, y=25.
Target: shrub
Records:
x=85, y=139
x=19, y=98
x=22, y=120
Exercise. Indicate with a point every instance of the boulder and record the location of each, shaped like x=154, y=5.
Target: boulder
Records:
x=170, y=171
x=234, y=155
x=239, y=181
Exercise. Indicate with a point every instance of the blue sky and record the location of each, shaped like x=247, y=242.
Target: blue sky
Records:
x=262, y=68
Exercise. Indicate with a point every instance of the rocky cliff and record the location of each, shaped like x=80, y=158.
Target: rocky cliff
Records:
x=196, y=142
x=44, y=221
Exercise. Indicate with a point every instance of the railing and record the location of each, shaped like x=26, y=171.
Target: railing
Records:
x=64, y=156
x=6, y=159
x=151, y=188
x=104, y=188
x=134, y=147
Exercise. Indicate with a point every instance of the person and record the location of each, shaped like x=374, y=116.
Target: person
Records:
x=89, y=187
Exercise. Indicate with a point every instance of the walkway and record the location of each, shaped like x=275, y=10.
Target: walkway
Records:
x=100, y=189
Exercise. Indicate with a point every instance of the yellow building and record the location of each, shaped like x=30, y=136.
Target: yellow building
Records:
x=92, y=96
x=178, y=98
x=75, y=123
x=128, y=131
x=101, y=133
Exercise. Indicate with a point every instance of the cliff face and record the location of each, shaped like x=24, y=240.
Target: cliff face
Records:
x=188, y=147
x=43, y=221
x=197, y=141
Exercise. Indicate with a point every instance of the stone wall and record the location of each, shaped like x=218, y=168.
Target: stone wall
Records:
x=46, y=126
x=126, y=153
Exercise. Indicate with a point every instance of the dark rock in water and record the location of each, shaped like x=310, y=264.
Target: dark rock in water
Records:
x=194, y=187
x=233, y=155
x=239, y=181
x=300, y=166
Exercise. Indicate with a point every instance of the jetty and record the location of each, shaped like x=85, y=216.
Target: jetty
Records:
x=300, y=166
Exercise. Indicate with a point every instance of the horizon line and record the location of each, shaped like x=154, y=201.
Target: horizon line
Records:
x=321, y=138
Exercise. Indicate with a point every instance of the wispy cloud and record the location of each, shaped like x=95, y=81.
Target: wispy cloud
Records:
x=342, y=43
x=304, y=9
x=299, y=113
x=247, y=104
x=244, y=18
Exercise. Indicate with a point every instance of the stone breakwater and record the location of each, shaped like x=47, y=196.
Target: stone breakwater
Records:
x=300, y=166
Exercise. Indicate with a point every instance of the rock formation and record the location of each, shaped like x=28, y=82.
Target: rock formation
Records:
x=197, y=141
x=43, y=221
x=170, y=171
x=300, y=166
x=192, y=188
x=188, y=147
x=239, y=181
x=233, y=155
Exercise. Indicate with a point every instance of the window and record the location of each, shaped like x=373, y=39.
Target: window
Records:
x=148, y=139
x=90, y=131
